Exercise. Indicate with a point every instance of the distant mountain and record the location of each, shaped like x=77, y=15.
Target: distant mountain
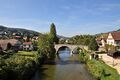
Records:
x=17, y=30
x=63, y=37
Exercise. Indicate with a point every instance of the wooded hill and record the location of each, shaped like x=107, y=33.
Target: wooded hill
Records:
x=16, y=30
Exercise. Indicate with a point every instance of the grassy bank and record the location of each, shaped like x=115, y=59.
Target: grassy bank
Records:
x=102, y=71
x=99, y=69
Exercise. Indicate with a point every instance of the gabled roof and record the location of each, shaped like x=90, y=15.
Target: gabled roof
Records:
x=115, y=35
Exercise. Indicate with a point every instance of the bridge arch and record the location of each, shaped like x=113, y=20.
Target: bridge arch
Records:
x=64, y=48
x=71, y=47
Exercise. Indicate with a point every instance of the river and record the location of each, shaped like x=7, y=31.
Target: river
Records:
x=65, y=67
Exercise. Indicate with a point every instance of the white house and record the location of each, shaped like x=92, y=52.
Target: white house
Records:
x=27, y=46
x=114, y=39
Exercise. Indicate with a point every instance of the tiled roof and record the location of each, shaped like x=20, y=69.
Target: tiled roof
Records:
x=27, y=43
x=17, y=36
x=115, y=35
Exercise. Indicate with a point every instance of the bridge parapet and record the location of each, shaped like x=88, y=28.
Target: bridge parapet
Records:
x=70, y=46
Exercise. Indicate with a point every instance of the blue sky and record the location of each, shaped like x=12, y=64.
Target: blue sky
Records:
x=71, y=17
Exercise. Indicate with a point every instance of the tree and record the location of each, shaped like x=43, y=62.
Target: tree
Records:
x=46, y=46
x=93, y=44
x=110, y=48
x=81, y=39
x=28, y=38
x=53, y=34
x=86, y=41
x=62, y=41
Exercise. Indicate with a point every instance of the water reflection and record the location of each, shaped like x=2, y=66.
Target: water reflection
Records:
x=64, y=55
x=66, y=67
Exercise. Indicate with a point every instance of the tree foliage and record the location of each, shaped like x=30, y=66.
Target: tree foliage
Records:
x=80, y=40
x=46, y=46
x=93, y=44
x=53, y=34
x=110, y=48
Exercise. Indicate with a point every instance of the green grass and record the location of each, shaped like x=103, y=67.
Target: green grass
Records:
x=31, y=55
x=21, y=57
x=25, y=53
x=101, y=70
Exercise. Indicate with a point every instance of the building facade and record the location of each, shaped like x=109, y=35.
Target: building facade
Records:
x=114, y=39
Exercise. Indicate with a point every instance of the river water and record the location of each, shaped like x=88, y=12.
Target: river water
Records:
x=65, y=67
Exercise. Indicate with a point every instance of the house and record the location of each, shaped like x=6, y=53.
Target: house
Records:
x=98, y=40
x=27, y=46
x=114, y=39
x=15, y=43
x=35, y=38
x=17, y=37
x=101, y=43
x=27, y=38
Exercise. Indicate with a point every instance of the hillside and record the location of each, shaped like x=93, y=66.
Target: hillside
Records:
x=16, y=30
x=63, y=37
x=100, y=35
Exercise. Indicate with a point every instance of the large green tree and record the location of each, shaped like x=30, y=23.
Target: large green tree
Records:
x=46, y=47
x=53, y=33
x=93, y=44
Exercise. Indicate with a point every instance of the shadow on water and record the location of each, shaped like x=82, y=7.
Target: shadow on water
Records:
x=43, y=74
x=61, y=68
x=40, y=75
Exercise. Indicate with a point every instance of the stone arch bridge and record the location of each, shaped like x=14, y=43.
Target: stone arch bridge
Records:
x=70, y=46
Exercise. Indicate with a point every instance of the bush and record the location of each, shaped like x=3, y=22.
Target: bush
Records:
x=17, y=68
x=84, y=57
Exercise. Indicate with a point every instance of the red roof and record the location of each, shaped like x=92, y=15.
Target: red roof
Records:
x=27, y=43
x=115, y=35
x=17, y=36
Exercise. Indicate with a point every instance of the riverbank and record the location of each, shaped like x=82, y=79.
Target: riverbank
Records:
x=114, y=63
x=102, y=71
x=99, y=69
